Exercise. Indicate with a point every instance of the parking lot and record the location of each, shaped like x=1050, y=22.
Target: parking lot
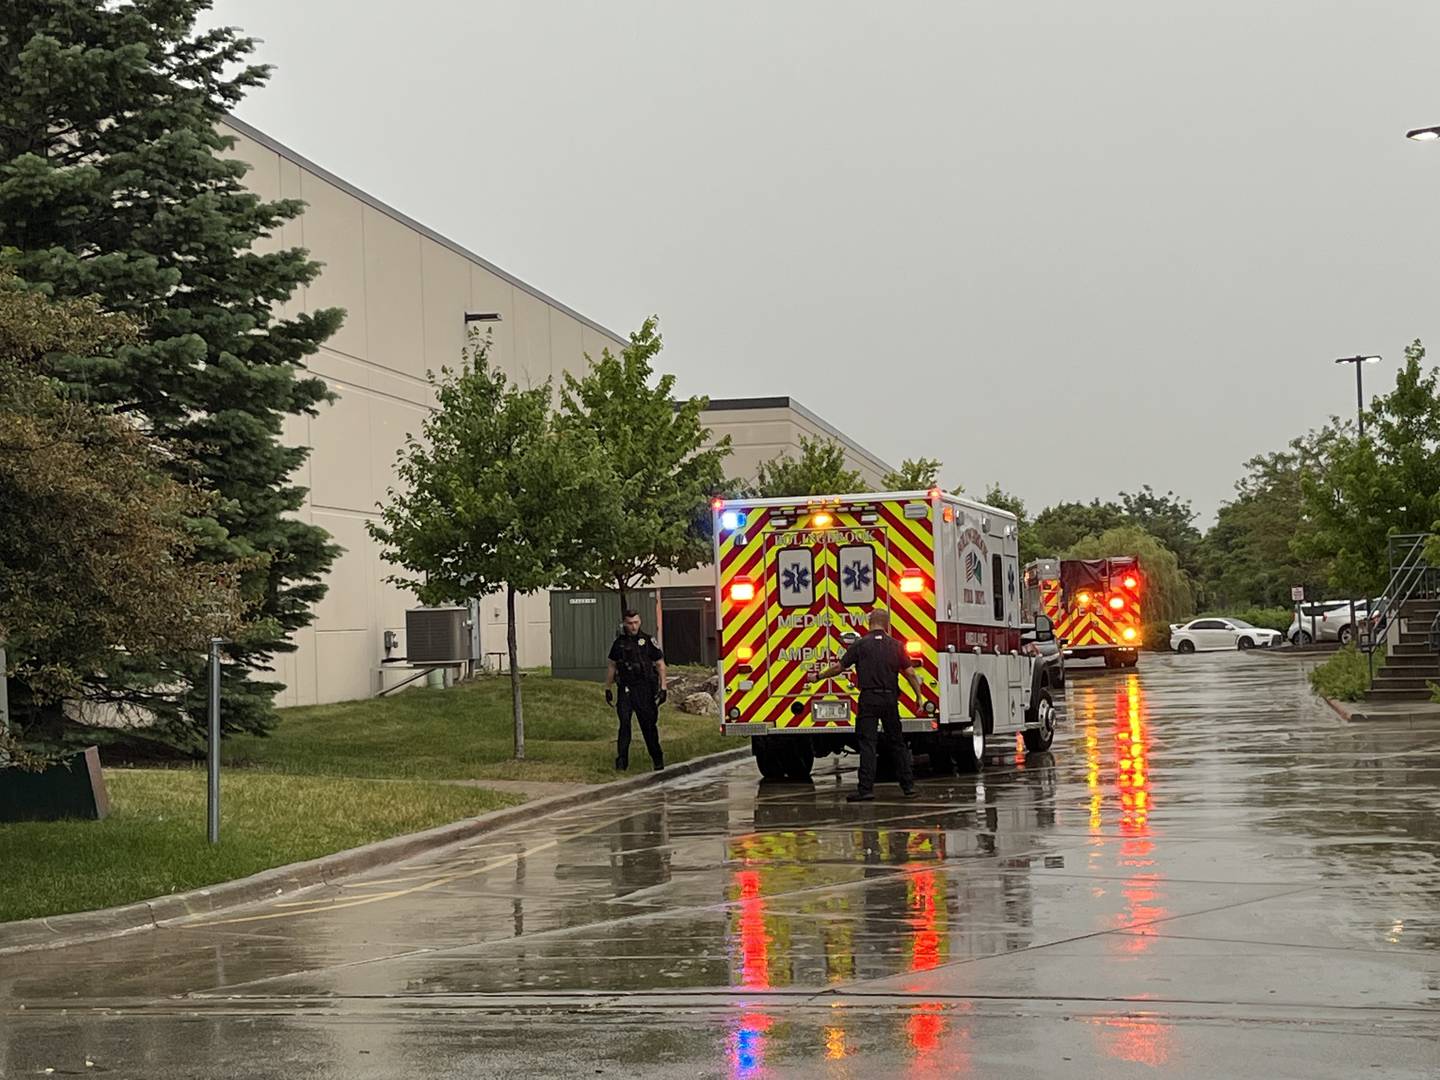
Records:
x=1210, y=875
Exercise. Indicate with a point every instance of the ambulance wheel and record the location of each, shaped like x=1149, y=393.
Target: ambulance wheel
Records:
x=1133, y=659
x=1111, y=660
x=970, y=749
x=799, y=759
x=769, y=758
x=1038, y=739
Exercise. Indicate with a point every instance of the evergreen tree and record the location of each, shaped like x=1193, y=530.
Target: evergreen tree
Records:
x=114, y=183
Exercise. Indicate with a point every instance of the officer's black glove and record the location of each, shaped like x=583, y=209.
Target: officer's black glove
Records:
x=609, y=696
x=662, y=697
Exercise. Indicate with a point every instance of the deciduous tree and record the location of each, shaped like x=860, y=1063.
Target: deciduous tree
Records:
x=1364, y=490
x=495, y=496
x=664, y=463
x=821, y=469
x=95, y=535
x=914, y=474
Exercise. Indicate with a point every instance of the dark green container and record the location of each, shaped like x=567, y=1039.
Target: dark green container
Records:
x=583, y=624
x=74, y=788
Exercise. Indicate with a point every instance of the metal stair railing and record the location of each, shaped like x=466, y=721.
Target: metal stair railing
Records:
x=1411, y=575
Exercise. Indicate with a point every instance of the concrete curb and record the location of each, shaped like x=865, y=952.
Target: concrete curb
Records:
x=1420, y=714
x=58, y=931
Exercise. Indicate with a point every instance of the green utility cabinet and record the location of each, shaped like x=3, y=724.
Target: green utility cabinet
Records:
x=583, y=624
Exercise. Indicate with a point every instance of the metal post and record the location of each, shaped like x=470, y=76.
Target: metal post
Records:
x=4, y=695
x=212, y=790
x=1359, y=400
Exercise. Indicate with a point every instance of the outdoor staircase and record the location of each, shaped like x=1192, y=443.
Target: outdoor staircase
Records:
x=1413, y=663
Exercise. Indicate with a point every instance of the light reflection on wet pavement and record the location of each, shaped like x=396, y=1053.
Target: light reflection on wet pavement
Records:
x=1211, y=875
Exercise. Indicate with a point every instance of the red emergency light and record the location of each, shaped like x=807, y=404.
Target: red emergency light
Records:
x=912, y=582
x=1131, y=582
x=742, y=590
x=914, y=648
x=1117, y=603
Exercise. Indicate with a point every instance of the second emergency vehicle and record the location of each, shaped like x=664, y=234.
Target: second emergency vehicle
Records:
x=1093, y=605
x=797, y=580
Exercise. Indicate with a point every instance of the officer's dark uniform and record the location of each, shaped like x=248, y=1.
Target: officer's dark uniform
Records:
x=878, y=660
x=639, y=685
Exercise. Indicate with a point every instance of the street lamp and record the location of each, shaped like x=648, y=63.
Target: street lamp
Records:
x=1359, y=392
x=1426, y=134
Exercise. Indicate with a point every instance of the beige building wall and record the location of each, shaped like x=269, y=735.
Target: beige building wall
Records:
x=406, y=291
x=762, y=429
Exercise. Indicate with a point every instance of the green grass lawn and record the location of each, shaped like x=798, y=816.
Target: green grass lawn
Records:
x=153, y=842
x=467, y=732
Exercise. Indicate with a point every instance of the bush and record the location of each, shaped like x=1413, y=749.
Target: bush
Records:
x=1345, y=676
x=1156, y=636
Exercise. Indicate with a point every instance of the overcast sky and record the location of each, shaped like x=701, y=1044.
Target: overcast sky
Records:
x=1074, y=247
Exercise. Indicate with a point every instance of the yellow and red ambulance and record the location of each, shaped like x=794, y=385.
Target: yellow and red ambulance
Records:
x=797, y=581
x=1093, y=605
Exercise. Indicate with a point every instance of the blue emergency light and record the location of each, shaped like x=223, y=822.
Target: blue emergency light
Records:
x=732, y=519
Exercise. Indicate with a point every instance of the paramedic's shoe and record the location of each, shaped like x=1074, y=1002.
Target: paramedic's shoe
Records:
x=860, y=796
x=909, y=793
x=621, y=764
x=659, y=764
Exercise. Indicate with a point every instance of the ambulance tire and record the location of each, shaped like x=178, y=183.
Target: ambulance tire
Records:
x=769, y=757
x=799, y=759
x=1111, y=660
x=1133, y=659
x=970, y=749
x=1038, y=739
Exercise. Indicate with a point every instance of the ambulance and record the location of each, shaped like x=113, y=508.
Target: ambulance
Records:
x=1092, y=604
x=797, y=581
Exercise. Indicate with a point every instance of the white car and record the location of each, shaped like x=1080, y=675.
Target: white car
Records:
x=1211, y=635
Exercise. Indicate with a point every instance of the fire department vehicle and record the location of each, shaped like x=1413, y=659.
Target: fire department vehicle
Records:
x=798, y=579
x=1093, y=605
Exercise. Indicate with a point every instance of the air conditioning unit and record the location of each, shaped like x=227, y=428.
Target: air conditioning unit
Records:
x=437, y=635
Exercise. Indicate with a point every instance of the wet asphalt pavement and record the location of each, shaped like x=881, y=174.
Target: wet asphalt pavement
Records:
x=1211, y=875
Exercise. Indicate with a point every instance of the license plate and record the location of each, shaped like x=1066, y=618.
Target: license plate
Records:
x=831, y=710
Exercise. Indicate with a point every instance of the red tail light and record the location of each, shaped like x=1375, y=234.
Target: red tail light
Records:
x=742, y=591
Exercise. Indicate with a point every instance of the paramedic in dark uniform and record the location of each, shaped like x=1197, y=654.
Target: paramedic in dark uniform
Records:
x=879, y=661
x=638, y=666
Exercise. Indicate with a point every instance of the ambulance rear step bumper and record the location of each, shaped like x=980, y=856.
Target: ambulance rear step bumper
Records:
x=916, y=726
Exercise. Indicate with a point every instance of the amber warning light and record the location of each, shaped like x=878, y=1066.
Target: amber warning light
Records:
x=742, y=591
x=913, y=648
x=912, y=582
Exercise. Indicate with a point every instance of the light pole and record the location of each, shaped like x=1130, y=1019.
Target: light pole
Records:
x=1359, y=389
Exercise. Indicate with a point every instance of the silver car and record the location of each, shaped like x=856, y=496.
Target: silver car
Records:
x=1331, y=621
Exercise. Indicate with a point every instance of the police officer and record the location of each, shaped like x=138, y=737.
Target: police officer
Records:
x=638, y=666
x=879, y=661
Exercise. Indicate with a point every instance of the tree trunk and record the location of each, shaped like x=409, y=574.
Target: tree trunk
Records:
x=620, y=588
x=516, y=704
